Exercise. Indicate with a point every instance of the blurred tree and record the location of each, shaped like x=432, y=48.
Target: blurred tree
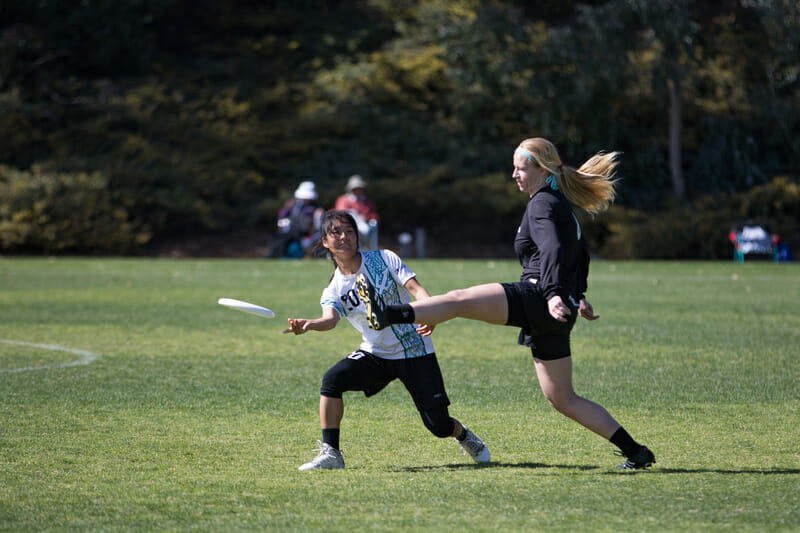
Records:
x=203, y=115
x=670, y=28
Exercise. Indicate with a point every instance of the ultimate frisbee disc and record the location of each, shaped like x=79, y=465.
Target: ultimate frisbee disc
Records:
x=246, y=307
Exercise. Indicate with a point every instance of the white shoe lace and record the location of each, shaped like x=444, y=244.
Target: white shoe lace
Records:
x=320, y=446
x=471, y=445
x=325, y=451
x=328, y=457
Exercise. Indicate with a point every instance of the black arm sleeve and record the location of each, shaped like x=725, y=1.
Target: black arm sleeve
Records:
x=583, y=272
x=545, y=234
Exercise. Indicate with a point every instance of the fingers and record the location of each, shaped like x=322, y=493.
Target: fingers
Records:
x=425, y=330
x=296, y=326
x=558, y=309
x=587, y=311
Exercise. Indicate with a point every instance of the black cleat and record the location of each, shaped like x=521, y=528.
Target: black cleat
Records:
x=376, y=308
x=641, y=459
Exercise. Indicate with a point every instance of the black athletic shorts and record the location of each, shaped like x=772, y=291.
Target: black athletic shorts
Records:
x=547, y=338
x=366, y=372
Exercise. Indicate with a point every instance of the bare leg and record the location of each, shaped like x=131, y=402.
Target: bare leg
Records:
x=457, y=429
x=331, y=411
x=555, y=379
x=486, y=303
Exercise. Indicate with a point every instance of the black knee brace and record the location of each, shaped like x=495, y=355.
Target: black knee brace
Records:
x=332, y=384
x=438, y=421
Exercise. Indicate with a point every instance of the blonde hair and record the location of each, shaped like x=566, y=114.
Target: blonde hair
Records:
x=590, y=187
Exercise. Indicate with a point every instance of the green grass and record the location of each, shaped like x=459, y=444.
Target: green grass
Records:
x=196, y=416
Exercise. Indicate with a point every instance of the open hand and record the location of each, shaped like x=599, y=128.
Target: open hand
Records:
x=587, y=311
x=298, y=326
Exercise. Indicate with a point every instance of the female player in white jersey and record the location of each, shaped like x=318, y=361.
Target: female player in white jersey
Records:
x=403, y=352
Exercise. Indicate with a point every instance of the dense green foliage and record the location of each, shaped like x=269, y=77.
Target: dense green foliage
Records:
x=204, y=115
x=699, y=229
x=195, y=417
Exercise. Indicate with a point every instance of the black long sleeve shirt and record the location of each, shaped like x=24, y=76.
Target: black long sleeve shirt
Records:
x=550, y=247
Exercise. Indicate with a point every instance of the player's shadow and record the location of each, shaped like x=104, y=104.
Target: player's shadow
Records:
x=604, y=469
x=735, y=471
x=494, y=464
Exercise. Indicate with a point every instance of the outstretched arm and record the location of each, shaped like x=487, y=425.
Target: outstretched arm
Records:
x=419, y=293
x=327, y=321
x=416, y=290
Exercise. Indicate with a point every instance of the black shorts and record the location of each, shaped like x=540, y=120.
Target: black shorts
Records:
x=547, y=338
x=366, y=372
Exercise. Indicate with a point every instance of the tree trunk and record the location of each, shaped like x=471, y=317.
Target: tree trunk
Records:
x=675, y=167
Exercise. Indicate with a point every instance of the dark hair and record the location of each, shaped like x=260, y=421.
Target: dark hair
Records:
x=329, y=218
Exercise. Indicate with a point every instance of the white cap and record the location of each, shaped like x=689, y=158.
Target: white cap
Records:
x=356, y=182
x=306, y=191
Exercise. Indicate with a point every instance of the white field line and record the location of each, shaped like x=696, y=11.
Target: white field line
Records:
x=86, y=357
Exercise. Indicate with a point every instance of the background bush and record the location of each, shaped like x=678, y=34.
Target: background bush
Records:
x=700, y=230
x=59, y=213
x=202, y=117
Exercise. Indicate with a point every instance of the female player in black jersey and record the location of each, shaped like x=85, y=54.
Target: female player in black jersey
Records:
x=546, y=302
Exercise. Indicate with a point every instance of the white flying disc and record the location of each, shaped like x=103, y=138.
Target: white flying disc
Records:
x=246, y=307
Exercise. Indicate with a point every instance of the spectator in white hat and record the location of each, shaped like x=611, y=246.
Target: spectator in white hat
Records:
x=298, y=223
x=362, y=208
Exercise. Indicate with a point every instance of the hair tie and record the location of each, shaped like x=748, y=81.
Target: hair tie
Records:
x=560, y=166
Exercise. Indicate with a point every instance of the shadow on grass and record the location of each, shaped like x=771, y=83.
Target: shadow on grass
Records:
x=761, y=472
x=457, y=466
x=604, y=470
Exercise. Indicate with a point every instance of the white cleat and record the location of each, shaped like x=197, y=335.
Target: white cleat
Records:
x=329, y=458
x=475, y=447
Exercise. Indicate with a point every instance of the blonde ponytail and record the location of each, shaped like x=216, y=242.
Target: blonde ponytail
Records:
x=590, y=187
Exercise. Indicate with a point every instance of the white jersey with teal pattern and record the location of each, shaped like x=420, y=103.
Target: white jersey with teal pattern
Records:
x=388, y=274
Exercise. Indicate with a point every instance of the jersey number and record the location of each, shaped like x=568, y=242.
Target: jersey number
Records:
x=350, y=298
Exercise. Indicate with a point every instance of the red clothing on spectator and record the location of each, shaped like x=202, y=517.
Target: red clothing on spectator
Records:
x=360, y=204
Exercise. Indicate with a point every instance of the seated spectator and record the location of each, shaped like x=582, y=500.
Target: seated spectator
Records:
x=298, y=223
x=362, y=208
x=754, y=239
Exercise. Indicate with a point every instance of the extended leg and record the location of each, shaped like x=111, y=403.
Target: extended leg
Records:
x=487, y=303
x=331, y=411
x=555, y=379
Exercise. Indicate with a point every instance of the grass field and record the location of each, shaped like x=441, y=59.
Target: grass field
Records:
x=174, y=413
